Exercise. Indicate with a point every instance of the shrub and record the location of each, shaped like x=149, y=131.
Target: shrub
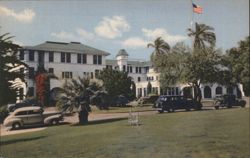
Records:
x=3, y=113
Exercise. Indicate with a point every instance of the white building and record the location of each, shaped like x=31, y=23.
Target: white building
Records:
x=142, y=73
x=65, y=60
x=70, y=60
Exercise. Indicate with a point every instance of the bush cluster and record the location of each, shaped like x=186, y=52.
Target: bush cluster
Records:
x=3, y=113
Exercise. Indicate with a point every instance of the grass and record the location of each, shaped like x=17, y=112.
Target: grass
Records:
x=196, y=134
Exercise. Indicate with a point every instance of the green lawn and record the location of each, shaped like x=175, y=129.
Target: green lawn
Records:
x=198, y=134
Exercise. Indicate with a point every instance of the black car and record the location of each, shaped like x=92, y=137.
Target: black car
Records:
x=25, y=103
x=228, y=100
x=172, y=103
x=120, y=101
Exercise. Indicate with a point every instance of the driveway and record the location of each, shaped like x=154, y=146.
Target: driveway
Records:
x=74, y=119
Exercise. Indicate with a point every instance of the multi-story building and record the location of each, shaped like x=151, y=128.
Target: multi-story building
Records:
x=65, y=60
x=70, y=60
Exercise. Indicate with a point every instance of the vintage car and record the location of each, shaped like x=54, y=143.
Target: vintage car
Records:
x=28, y=116
x=148, y=99
x=228, y=100
x=172, y=103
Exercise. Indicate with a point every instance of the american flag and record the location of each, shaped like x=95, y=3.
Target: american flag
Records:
x=197, y=9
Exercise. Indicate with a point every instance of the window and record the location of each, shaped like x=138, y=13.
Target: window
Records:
x=84, y=58
x=123, y=68
x=95, y=59
x=139, y=79
x=51, y=56
x=136, y=70
x=32, y=112
x=31, y=72
x=218, y=90
x=41, y=58
x=176, y=90
x=21, y=113
x=21, y=55
x=31, y=91
x=97, y=72
x=62, y=57
x=68, y=57
x=131, y=69
x=67, y=74
x=31, y=55
x=21, y=93
x=51, y=70
x=79, y=58
x=99, y=60
x=127, y=68
x=109, y=67
x=139, y=69
x=91, y=75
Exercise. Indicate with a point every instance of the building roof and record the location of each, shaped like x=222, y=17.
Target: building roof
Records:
x=75, y=47
x=122, y=52
x=129, y=62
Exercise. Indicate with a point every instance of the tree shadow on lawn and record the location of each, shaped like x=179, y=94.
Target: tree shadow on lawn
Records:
x=96, y=122
x=7, y=142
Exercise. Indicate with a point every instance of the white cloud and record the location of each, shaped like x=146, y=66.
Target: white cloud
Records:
x=24, y=16
x=85, y=34
x=135, y=42
x=112, y=27
x=79, y=35
x=63, y=35
x=161, y=32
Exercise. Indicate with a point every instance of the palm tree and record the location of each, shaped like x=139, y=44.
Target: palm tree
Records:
x=203, y=36
x=79, y=93
x=161, y=47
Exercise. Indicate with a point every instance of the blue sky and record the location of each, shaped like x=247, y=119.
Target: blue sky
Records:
x=115, y=24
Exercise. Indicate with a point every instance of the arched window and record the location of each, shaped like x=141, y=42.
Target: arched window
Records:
x=207, y=92
x=218, y=90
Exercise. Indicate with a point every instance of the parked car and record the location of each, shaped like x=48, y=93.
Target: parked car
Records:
x=27, y=116
x=148, y=99
x=120, y=101
x=228, y=101
x=172, y=103
x=25, y=103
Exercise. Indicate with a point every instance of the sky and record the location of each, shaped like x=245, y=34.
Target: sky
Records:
x=112, y=25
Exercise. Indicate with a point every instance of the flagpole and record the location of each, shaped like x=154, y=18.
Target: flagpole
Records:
x=192, y=21
x=192, y=17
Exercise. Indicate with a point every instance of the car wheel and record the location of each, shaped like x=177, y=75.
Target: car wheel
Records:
x=216, y=107
x=54, y=122
x=16, y=125
x=161, y=111
x=242, y=103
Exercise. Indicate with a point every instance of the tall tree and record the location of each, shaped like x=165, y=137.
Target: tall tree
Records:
x=161, y=49
x=10, y=67
x=237, y=59
x=203, y=36
x=42, y=79
x=116, y=82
